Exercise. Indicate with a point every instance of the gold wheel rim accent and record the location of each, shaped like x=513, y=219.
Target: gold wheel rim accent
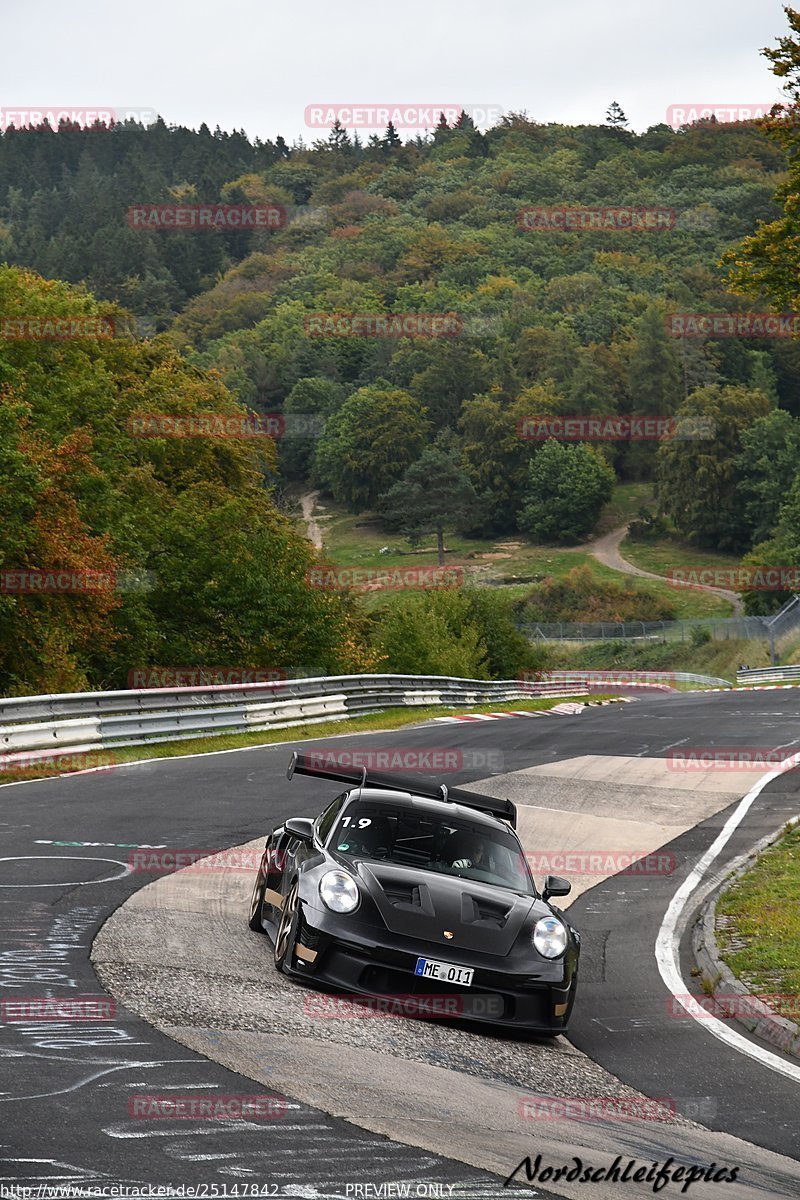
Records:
x=284, y=929
x=255, y=903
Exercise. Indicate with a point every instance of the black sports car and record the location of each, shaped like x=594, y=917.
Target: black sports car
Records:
x=405, y=890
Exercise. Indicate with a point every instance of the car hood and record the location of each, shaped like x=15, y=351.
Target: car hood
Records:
x=423, y=904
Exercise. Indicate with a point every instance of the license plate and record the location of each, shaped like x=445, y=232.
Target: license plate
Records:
x=430, y=968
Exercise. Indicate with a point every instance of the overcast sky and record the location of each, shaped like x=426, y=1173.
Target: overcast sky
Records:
x=257, y=64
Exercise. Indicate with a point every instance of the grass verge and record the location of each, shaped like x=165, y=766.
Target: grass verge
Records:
x=718, y=658
x=623, y=507
x=389, y=719
x=667, y=555
x=758, y=921
x=513, y=563
x=790, y=655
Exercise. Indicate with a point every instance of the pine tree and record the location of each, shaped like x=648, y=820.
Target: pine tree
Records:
x=615, y=117
x=339, y=138
x=654, y=385
x=654, y=373
x=391, y=139
x=435, y=494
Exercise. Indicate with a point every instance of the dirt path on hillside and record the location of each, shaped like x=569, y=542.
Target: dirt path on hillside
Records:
x=308, y=503
x=606, y=549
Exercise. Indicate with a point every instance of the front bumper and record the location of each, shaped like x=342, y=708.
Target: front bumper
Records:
x=360, y=966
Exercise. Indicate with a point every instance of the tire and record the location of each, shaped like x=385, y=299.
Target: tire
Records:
x=257, y=900
x=286, y=936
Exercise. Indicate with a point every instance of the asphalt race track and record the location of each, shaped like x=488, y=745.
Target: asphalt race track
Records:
x=626, y=1023
x=66, y=1087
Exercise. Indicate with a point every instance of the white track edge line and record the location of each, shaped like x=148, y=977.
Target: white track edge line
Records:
x=668, y=940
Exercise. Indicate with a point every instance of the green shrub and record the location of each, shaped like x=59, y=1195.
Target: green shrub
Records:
x=431, y=634
x=451, y=631
x=582, y=596
x=565, y=493
x=508, y=651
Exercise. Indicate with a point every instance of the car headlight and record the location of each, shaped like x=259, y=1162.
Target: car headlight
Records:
x=339, y=892
x=550, y=937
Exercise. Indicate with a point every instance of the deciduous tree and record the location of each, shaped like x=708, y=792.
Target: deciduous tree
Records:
x=368, y=443
x=568, y=484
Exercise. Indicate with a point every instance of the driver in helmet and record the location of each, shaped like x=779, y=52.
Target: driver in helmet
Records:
x=473, y=854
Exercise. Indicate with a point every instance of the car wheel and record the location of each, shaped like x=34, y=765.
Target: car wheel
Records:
x=287, y=927
x=257, y=900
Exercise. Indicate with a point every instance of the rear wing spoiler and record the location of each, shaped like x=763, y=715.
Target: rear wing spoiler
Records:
x=320, y=766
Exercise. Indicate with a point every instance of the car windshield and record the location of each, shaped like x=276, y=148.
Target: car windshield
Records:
x=416, y=838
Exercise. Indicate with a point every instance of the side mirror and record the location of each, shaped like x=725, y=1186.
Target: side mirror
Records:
x=301, y=828
x=554, y=885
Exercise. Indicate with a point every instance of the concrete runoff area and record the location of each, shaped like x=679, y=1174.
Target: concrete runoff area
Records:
x=179, y=953
x=611, y=807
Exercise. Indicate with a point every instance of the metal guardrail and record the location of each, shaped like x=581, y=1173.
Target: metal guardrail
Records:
x=768, y=674
x=40, y=727
x=146, y=700
x=648, y=679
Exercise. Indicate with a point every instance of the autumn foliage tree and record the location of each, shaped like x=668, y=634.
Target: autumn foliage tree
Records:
x=768, y=261
x=202, y=567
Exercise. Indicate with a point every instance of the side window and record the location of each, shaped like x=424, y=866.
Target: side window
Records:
x=325, y=822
